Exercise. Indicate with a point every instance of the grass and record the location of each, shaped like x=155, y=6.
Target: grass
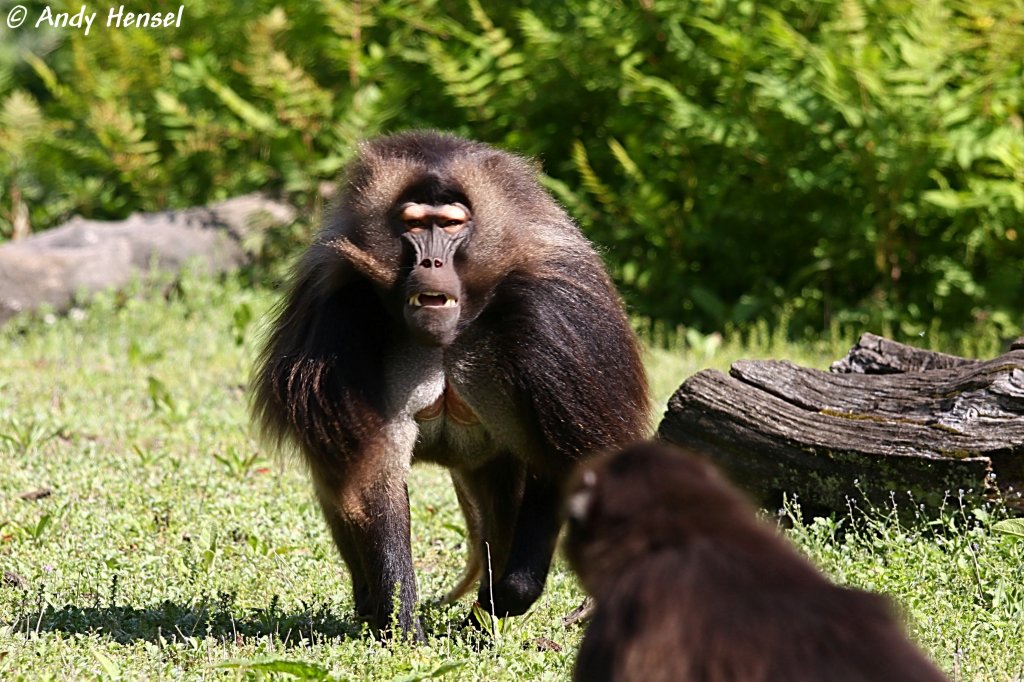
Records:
x=171, y=545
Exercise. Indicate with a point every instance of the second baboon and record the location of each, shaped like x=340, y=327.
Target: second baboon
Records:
x=690, y=586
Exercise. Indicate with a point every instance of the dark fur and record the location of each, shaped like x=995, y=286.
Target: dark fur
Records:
x=542, y=354
x=691, y=587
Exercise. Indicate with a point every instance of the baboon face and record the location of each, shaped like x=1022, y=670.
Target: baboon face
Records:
x=436, y=224
x=434, y=235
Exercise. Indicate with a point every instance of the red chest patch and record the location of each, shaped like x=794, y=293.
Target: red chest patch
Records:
x=449, y=403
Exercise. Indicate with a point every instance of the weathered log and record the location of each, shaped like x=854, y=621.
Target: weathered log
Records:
x=86, y=256
x=878, y=355
x=830, y=437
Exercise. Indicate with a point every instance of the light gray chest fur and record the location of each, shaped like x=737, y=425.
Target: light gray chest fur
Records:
x=416, y=379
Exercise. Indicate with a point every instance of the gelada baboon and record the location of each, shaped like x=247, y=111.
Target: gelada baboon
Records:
x=690, y=586
x=449, y=312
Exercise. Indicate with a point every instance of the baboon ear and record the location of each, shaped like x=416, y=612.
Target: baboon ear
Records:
x=582, y=499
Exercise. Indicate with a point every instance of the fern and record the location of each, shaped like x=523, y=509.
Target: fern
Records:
x=827, y=163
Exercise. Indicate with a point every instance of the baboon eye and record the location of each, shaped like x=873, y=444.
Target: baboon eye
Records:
x=415, y=224
x=452, y=225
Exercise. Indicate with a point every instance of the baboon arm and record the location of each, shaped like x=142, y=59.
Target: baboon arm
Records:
x=319, y=381
x=579, y=378
x=319, y=385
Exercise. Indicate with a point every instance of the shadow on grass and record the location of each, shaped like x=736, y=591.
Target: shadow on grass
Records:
x=169, y=623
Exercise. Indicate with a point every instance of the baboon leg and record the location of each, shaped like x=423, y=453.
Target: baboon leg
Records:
x=494, y=493
x=529, y=556
x=344, y=540
x=368, y=513
x=474, y=531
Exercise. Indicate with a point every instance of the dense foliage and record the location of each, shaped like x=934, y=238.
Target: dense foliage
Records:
x=850, y=161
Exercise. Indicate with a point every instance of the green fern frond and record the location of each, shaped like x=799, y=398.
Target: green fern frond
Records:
x=591, y=182
x=627, y=164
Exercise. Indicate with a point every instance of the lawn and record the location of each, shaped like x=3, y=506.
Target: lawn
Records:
x=144, y=533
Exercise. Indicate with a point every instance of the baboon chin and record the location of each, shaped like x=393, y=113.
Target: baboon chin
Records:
x=450, y=312
x=690, y=585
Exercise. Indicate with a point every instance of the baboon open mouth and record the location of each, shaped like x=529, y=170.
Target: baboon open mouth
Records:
x=432, y=299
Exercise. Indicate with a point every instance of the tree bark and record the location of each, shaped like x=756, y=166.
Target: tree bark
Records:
x=878, y=355
x=943, y=427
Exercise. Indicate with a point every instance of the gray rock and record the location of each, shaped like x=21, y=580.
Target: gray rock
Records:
x=87, y=256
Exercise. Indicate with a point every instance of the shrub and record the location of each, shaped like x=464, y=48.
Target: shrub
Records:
x=839, y=161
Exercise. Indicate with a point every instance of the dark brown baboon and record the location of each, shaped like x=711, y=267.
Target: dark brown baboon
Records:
x=690, y=586
x=448, y=312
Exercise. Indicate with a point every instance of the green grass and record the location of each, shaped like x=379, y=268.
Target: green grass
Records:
x=172, y=544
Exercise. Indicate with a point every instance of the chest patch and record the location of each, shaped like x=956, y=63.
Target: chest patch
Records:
x=449, y=404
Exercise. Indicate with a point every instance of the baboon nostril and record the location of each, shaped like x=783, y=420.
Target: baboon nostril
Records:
x=426, y=263
x=437, y=263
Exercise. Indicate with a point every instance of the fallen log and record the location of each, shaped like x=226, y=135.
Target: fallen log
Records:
x=922, y=427
x=878, y=355
x=84, y=256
